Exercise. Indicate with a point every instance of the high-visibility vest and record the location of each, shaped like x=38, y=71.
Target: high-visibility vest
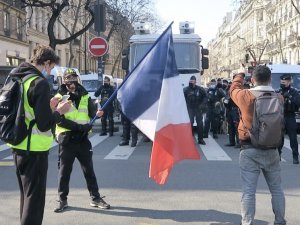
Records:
x=80, y=115
x=40, y=141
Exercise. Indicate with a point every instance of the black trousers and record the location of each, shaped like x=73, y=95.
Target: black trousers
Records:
x=211, y=121
x=291, y=129
x=197, y=114
x=108, y=115
x=31, y=172
x=67, y=154
x=233, y=120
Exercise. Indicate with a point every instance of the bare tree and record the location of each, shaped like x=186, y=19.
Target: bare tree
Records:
x=121, y=15
x=57, y=8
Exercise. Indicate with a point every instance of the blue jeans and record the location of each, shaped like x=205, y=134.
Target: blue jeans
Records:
x=252, y=161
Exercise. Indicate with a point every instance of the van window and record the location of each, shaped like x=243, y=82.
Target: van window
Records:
x=90, y=85
x=276, y=80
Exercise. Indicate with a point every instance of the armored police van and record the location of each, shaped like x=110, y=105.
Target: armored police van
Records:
x=191, y=57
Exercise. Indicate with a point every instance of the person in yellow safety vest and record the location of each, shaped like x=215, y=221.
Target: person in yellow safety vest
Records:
x=32, y=164
x=72, y=136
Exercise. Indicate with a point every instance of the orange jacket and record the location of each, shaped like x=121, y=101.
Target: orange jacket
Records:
x=244, y=99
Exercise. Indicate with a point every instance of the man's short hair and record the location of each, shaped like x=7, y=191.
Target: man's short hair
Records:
x=262, y=74
x=42, y=53
x=107, y=79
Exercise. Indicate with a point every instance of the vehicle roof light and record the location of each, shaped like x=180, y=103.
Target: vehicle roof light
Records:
x=186, y=27
x=142, y=28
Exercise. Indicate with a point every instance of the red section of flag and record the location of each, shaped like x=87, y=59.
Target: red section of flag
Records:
x=172, y=144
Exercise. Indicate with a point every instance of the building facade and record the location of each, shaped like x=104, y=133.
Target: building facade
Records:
x=260, y=32
x=22, y=29
x=13, y=38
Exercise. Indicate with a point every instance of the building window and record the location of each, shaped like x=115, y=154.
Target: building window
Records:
x=19, y=26
x=6, y=21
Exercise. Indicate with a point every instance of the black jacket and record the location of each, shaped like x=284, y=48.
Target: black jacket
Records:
x=196, y=97
x=291, y=100
x=105, y=92
x=38, y=97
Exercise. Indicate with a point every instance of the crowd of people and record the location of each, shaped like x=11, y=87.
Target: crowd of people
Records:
x=222, y=115
x=222, y=102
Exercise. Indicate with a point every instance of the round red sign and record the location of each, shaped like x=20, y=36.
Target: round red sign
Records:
x=98, y=46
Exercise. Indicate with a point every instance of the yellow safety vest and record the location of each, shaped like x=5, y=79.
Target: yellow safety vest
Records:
x=80, y=115
x=40, y=141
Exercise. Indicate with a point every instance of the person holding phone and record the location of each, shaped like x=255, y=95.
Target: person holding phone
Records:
x=72, y=135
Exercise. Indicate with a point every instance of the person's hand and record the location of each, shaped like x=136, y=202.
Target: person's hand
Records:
x=85, y=127
x=286, y=94
x=99, y=113
x=54, y=102
x=63, y=107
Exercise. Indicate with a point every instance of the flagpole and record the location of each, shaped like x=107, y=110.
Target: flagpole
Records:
x=126, y=77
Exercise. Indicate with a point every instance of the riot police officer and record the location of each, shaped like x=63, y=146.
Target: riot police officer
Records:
x=196, y=100
x=105, y=92
x=213, y=115
x=291, y=104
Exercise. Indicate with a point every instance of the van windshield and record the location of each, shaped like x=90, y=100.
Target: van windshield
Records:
x=90, y=85
x=276, y=80
x=187, y=55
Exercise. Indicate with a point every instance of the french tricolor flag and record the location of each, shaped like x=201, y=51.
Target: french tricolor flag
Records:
x=152, y=98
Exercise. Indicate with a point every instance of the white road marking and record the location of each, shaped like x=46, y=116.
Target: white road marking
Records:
x=95, y=140
x=4, y=147
x=121, y=152
x=213, y=151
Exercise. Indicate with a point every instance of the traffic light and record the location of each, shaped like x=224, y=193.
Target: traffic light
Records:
x=204, y=58
x=100, y=12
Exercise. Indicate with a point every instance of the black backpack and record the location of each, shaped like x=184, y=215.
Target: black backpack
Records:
x=13, y=129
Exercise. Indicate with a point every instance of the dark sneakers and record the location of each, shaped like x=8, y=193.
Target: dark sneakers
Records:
x=201, y=142
x=230, y=144
x=295, y=160
x=103, y=134
x=133, y=144
x=123, y=143
x=100, y=203
x=61, y=206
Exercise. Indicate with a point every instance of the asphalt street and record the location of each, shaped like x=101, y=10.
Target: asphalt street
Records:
x=204, y=192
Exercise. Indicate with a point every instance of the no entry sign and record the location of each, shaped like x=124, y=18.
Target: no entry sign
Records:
x=98, y=46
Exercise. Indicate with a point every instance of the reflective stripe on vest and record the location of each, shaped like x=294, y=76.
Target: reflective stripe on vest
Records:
x=40, y=141
x=80, y=115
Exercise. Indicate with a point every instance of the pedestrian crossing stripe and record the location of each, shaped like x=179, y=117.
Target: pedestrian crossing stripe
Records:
x=6, y=163
x=213, y=151
x=121, y=152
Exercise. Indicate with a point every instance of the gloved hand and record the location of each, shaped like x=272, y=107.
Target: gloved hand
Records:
x=85, y=127
x=286, y=94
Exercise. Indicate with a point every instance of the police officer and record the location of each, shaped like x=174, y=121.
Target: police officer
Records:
x=232, y=117
x=196, y=100
x=291, y=104
x=72, y=136
x=213, y=115
x=128, y=128
x=105, y=92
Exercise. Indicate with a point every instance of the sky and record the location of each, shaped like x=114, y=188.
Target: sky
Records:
x=207, y=14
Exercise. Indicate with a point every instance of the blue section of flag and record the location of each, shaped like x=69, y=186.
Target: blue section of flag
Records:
x=143, y=86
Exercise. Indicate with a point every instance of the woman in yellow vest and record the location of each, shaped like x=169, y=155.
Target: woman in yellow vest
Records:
x=72, y=136
x=32, y=164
